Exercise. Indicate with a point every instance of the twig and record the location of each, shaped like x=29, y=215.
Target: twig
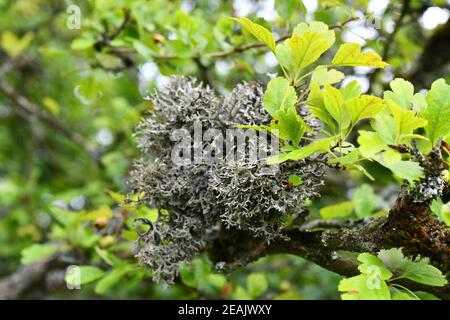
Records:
x=314, y=224
x=344, y=23
x=126, y=20
x=32, y=109
x=18, y=283
x=390, y=39
x=218, y=54
x=106, y=38
x=237, y=50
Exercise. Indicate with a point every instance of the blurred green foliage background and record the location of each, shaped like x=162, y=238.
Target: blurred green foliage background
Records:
x=71, y=97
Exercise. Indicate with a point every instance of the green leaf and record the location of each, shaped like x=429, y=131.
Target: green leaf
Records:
x=351, y=90
x=283, y=53
x=112, y=278
x=288, y=8
x=83, y=275
x=13, y=45
x=241, y=294
x=438, y=111
x=349, y=159
x=364, y=201
x=363, y=170
x=317, y=106
x=51, y=105
x=289, y=295
x=419, y=271
x=195, y=273
x=142, y=48
x=393, y=258
x=372, y=264
x=295, y=180
x=279, y=95
x=322, y=76
x=218, y=281
x=334, y=104
x=405, y=120
x=422, y=272
x=256, y=284
x=403, y=169
x=149, y=213
x=103, y=211
x=402, y=93
x=349, y=54
x=82, y=43
x=63, y=216
x=187, y=275
x=436, y=206
x=385, y=126
x=109, y=257
x=290, y=125
x=340, y=210
x=403, y=295
x=425, y=296
x=260, y=32
x=37, y=252
x=364, y=287
x=317, y=27
x=440, y=210
x=419, y=102
x=303, y=152
x=364, y=107
x=307, y=48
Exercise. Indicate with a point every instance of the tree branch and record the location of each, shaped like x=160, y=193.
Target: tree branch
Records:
x=30, y=108
x=210, y=55
x=15, y=285
x=408, y=225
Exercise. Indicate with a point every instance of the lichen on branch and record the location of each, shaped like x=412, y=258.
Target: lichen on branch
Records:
x=202, y=199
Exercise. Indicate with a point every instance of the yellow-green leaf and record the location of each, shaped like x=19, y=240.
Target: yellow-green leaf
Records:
x=101, y=212
x=405, y=120
x=82, y=275
x=351, y=90
x=260, y=32
x=13, y=45
x=317, y=106
x=339, y=210
x=349, y=54
x=370, y=143
x=438, y=111
x=318, y=27
x=280, y=95
x=358, y=288
x=51, y=105
x=402, y=92
x=37, y=252
x=364, y=107
x=307, y=48
x=290, y=125
x=322, y=76
x=284, y=55
x=334, y=102
x=403, y=169
x=322, y=145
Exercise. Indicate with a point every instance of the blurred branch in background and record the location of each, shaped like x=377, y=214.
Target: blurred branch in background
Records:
x=32, y=109
x=25, y=278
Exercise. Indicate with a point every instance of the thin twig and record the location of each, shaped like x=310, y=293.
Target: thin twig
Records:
x=32, y=109
x=105, y=38
x=237, y=50
x=390, y=39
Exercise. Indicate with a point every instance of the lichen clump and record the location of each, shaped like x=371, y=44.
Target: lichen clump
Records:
x=203, y=199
